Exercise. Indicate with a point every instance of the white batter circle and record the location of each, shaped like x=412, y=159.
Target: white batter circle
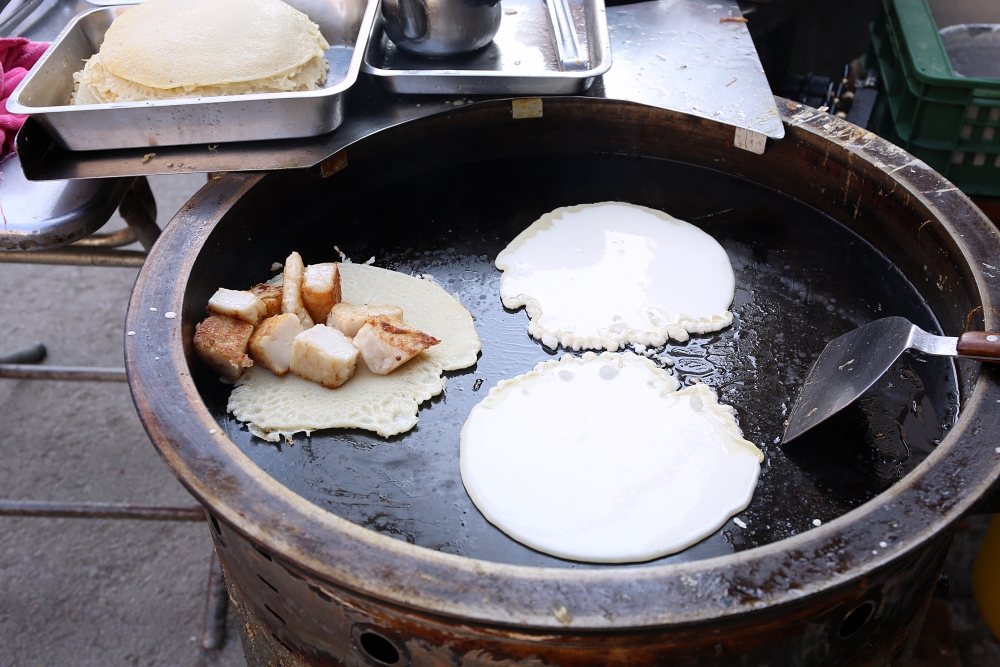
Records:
x=601, y=459
x=601, y=276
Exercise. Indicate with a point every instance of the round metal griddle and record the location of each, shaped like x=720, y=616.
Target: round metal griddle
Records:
x=802, y=280
x=827, y=230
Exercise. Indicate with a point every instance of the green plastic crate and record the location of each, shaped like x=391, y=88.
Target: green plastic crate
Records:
x=949, y=121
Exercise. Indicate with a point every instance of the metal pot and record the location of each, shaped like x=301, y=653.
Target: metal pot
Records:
x=314, y=588
x=439, y=28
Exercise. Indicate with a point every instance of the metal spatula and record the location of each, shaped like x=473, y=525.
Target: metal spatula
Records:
x=852, y=363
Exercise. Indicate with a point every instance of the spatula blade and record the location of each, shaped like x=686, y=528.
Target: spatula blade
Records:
x=847, y=368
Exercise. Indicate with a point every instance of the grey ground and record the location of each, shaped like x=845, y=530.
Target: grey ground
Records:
x=83, y=592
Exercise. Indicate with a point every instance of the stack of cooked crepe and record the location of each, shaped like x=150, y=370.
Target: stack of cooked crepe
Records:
x=204, y=48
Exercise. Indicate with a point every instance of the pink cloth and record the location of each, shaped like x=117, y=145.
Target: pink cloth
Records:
x=17, y=56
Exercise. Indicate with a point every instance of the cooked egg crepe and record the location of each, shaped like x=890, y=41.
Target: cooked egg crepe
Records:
x=601, y=459
x=186, y=48
x=280, y=406
x=601, y=276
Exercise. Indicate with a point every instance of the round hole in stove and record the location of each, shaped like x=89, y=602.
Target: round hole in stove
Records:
x=378, y=648
x=856, y=619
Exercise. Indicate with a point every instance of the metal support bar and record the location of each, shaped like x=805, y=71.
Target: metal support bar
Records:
x=108, y=240
x=69, y=373
x=100, y=511
x=80, y=256
x=138, y=209
x=31, y=354
x=213, y=633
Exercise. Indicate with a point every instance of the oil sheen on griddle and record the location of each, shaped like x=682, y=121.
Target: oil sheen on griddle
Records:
x=801, y=280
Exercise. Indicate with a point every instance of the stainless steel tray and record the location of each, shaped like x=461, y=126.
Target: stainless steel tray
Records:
x=45, y=92
x=521, y=60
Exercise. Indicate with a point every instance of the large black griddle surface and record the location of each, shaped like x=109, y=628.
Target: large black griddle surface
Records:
x=801, y=280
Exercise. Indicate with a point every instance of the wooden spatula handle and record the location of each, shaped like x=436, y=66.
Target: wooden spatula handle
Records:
x=982, y=345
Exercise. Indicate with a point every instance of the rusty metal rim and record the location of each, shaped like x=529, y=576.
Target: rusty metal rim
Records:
x=442, y=584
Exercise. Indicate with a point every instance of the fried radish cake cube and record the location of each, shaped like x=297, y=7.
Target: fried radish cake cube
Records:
x=323, y=355
x=243, y=305
x=221, y=342
x=271, y=343
x=386, y=343
x=349, y=318
x=271, y=296
x=291, y=290
x=321, y=289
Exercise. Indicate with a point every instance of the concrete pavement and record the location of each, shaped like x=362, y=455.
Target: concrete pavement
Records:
x=84, y=592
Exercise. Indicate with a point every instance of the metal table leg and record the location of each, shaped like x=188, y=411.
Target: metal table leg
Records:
x=100, y=511
x=31, y=354
x=213, y=633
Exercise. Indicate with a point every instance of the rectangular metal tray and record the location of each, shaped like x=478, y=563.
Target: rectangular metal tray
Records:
x=45, y=92
x=520, y=61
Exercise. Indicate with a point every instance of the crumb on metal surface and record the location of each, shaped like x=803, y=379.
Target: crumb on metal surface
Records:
x=562, y=614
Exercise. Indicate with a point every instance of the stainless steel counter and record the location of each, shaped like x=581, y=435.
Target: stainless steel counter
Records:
x=674, y=54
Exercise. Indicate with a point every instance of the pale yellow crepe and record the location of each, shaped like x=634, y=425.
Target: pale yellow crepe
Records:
x=185, y=48
x=277, y=407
